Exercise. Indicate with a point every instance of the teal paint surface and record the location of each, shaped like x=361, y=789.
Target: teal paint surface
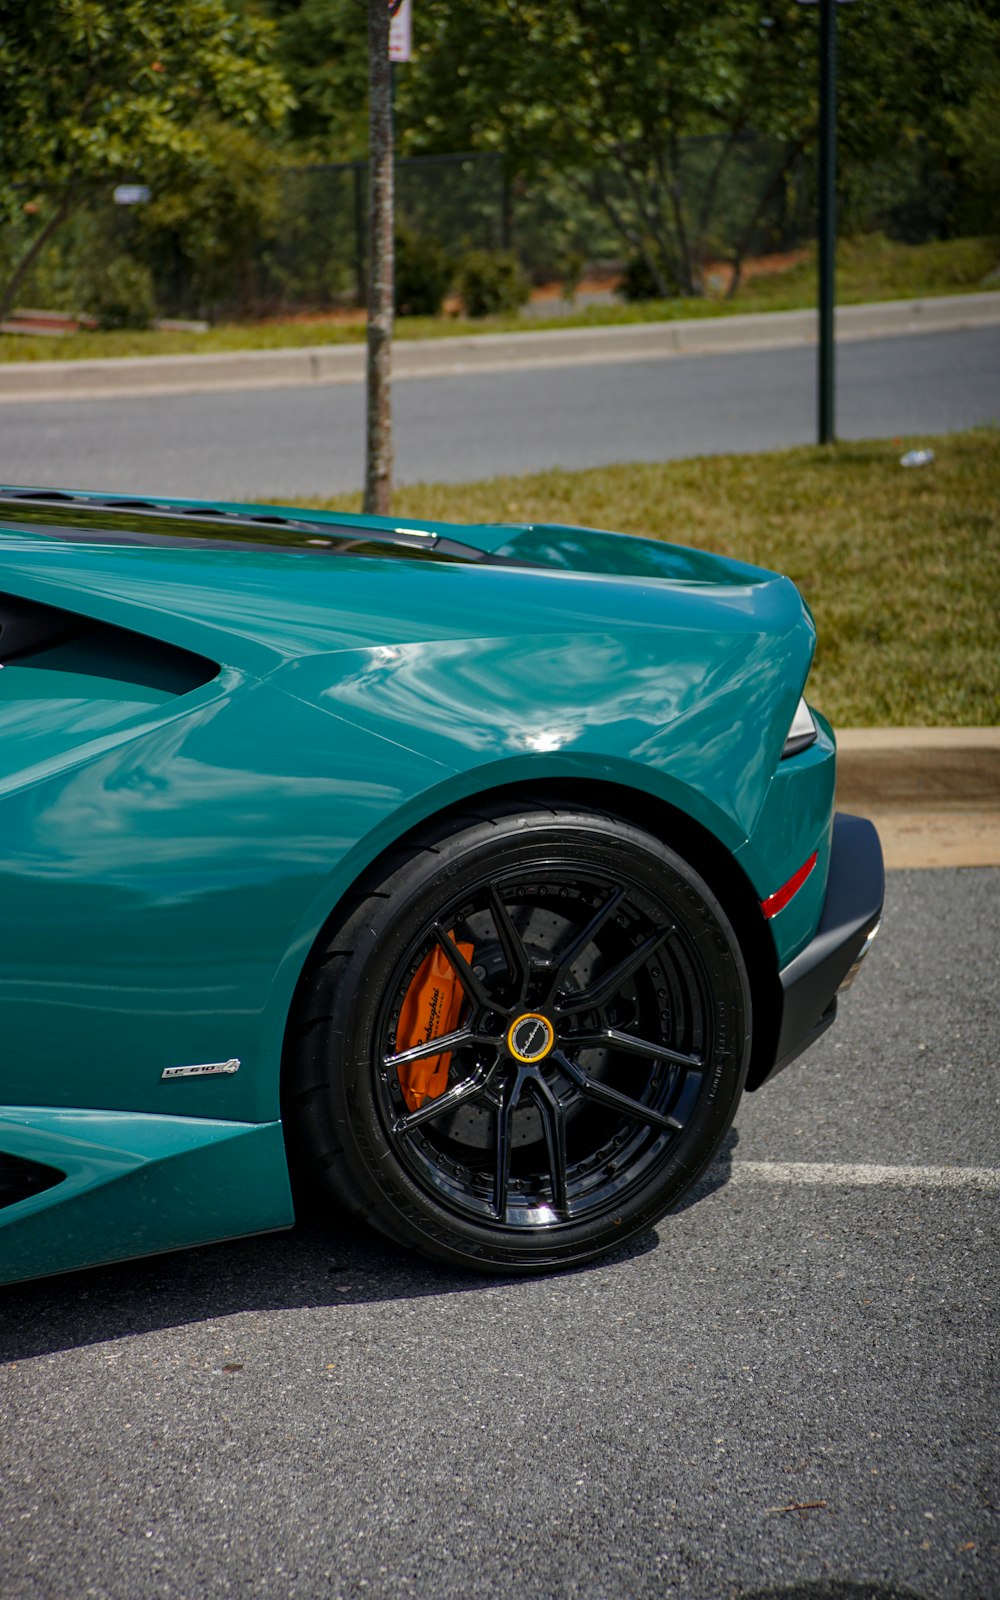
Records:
x=136, y=1184
x=167, y=860
x=797, y=815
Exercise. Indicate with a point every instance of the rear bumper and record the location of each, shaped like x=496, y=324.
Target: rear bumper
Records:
x=849, y=921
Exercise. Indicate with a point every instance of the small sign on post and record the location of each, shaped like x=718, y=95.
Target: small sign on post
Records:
x=400, y=30
x=131, y=194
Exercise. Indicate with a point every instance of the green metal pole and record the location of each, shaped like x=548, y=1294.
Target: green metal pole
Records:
x=827, y=215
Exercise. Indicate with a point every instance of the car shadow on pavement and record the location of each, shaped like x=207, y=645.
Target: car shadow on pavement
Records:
x=309, y=1266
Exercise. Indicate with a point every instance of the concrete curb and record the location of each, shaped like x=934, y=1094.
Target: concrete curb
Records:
x=911, y=767
x=455, y=357
x=933, y=793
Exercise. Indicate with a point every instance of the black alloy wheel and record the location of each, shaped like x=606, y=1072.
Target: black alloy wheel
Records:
x=593, y=1063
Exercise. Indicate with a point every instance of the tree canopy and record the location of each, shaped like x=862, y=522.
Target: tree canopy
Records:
x=680, y=124
x=618, y=95
x=96, y=91
x=321, y=47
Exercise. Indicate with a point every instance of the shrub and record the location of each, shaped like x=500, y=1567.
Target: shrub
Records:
x=423, y=274
x=573, y=268
x=637, y=280
x=204, y=233
x=121, y=295
x=491, y=281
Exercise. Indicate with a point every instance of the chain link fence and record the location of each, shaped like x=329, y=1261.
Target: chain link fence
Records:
x=299, y=244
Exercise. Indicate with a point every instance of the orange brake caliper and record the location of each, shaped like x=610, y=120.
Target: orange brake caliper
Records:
x=431, y=1007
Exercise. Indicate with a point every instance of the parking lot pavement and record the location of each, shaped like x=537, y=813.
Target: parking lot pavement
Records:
x=786, y=1391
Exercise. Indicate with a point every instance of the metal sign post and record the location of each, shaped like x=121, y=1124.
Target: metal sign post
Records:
x=384, y=49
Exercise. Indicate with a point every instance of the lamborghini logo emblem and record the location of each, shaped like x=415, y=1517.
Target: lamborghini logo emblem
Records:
x=530, y=1037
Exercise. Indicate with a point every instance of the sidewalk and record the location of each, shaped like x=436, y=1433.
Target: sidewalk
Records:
x=493, y=352
x=933, y=793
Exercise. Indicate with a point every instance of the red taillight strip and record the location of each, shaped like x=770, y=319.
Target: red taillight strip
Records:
x=779, y=899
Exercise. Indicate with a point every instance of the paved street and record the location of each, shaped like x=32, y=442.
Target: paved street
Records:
x=786, y=1391
x=269, y=443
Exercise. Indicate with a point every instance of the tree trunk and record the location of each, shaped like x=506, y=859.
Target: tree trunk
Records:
x=67, y=205
x=792, y=153
x=689, y=273
x=636, y=241
x=378, y=443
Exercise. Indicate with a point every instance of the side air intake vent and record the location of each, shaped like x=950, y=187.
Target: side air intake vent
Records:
x=26, y=626
x=19, y=1179
x=35, y=635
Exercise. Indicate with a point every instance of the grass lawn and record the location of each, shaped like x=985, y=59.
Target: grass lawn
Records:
x=873, y=268
x=901, y=567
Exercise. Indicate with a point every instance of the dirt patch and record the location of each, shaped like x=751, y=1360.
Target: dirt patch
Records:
x=596, y=282
x=345, y=315
x=719, y=274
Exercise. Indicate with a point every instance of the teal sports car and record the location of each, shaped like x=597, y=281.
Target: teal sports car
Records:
x=460, y=878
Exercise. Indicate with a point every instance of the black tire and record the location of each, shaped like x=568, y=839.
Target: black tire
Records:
x=629, y=1074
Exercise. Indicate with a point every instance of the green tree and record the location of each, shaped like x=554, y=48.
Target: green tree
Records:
x=644, y=106
x=976, y=140
x=321, y=47
x=612, y=94
x=96, y=91
x=207, y=225
x=913, y=85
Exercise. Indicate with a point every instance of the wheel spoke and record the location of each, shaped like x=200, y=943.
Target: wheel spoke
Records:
x=554, y=1128
x=611, y=1037
x=606, y=1096
x=581, y=942
x=470, y=983
x=438, y=1046
x=504, y=1119
x=514, y=952
x=468, y=1089
x=606, y=987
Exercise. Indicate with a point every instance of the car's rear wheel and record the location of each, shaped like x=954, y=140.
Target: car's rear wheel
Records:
x=523, y=1041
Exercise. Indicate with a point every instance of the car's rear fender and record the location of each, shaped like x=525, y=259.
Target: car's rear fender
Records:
x=690, y=839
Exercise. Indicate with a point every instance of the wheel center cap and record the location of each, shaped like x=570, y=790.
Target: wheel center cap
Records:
x=530, y=1037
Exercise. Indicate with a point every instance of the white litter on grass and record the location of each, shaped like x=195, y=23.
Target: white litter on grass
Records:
x=864, y=1176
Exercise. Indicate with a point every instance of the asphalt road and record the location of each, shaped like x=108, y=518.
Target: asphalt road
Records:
x=269, y=443
x=788, y=1392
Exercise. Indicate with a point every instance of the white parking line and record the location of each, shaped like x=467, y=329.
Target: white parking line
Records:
x=866, y=1176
